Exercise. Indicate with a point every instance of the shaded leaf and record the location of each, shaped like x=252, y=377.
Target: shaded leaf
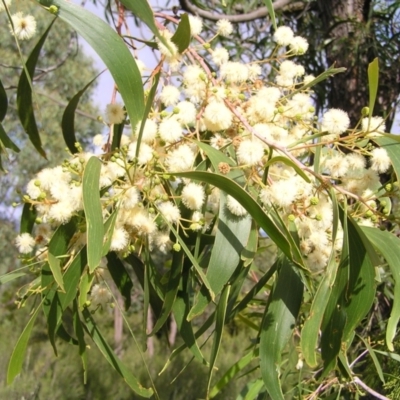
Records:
x=3, y=102
x=120, y=277
x=271, y=12
x=373, y=80
x=182, y=36
x=114, y=361
x=278, y=323
x=18, y=354
x=55, y=268
x=28, y=218
x=68, y=119
x=24, y=95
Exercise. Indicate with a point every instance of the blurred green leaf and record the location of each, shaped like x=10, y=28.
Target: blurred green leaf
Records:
x=28, y=218
x=94, y=332
x=18, y=354
x=24, y=95
x=388, y=245
x=68, y=119
x=219, y=329
x=271, y=12
x=78, y=329
x=10, y=276
x=278, y=323
x=110, y=48
x=55, y=268
x=171, y=289
x=392, y=146
x=373, y=81
x=3, y=102
x=93, y=212
x=233, y=371
x=6, y=141
x=120, y=277
x=182, y=36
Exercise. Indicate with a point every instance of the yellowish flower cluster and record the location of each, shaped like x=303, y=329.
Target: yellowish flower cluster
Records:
x=268, y=129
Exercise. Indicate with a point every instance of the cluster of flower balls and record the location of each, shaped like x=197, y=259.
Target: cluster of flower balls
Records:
x=246, y=117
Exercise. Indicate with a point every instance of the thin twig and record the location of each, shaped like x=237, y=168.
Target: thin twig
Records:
x=359, y=382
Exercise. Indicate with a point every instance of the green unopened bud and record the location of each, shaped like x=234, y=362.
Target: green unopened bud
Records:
x=388, y=187
x=386, y=210
x=291, y=217
x=176, y=110
x=242, y=96
x=157, y=180
x=374, y=218
x=164, y=114
x=298, y=117
x=42, y=195
x=203, y=76
x=365, y=111
x=131, y=248
x=318, y=217
x=369, y=214
x=311, y=109
x=36, y=183
x=53, y=9
x=166, y=176
x=213, y=74
x=383, y=203
x=26, y=197
x=14, y=204
x=165, y=197
x=206, y=45
x=281, y=110
x=38, y=220
x=176, y=247
x=314, y=201
x=151, y=210
x=87, y=304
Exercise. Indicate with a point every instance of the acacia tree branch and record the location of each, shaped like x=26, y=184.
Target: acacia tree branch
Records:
x=285, y=5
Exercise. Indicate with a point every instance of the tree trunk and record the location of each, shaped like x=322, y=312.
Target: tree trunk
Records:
x=352, y=44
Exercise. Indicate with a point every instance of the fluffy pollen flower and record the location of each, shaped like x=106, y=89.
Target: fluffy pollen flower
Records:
x=234, y=72
x=169, y=211
x=224, y=27
x=170, y=95
x=217, y=116
x=250, y=152
x=187, y=113
x=180, y=159
x=298, y=45
x=380, y=160
x=170, y=51
x=145, y=152
x=149, y=130
x=220, y=56
x=119, y=239
x=355, y=161
x=193, y=196
x=115, y=113
x=98, y=140
x=130, y=198
x=374, y=127
x=100, y=295
x=24, y=26
x=62, y=211
x=196, y=25
x=235, y=207
x=170, y=130
x=283, y=36
x=33, y=189
x=25, y=243
x=335, y=121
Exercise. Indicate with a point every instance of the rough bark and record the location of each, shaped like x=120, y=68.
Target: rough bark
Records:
x=350, y=32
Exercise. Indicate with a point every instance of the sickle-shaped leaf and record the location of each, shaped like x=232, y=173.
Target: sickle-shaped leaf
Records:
x=373, y=80
x=68, y=119
x=115, y=362
x=112, y=50
x=93, y=212
x=278, y=324
x=182, y=35
x=18, y=354
x=388, y=245
x=24, y=95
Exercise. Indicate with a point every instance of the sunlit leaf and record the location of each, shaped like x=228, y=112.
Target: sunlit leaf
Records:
x=55, y=268
x=373, y=81
x=93, y=212
x=110, y=48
